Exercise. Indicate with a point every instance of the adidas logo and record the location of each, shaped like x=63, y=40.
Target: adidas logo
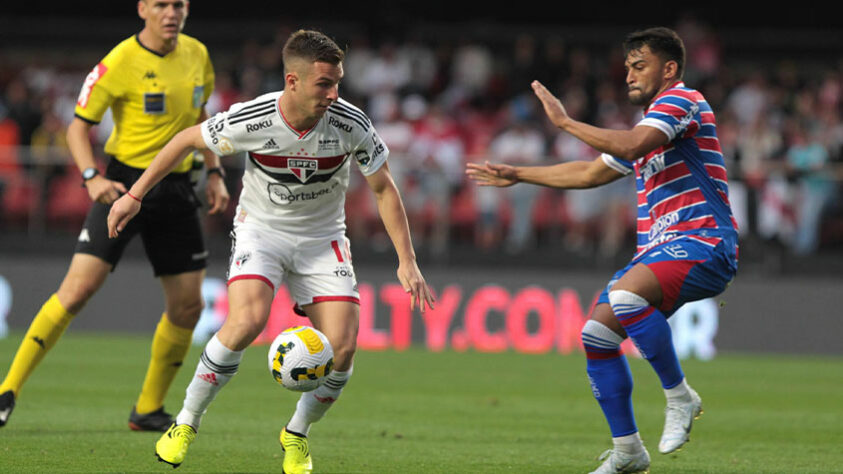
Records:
x=270, y=145
x=84, y=236
x=211, y=378
x=324, y=399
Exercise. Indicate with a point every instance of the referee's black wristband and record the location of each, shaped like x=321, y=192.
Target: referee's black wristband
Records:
x=216, y=170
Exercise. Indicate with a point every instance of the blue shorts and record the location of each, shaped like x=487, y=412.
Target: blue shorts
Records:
x=689, y=268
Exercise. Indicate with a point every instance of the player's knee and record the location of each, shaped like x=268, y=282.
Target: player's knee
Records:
x=624, y=300
x=344, y=350
x=74, y=293
x=186, y=313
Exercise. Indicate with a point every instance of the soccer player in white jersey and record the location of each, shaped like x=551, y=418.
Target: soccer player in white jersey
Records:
x=289, y=227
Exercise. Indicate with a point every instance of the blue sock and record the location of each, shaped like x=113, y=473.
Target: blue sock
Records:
x=649, y=330
x=610, y=378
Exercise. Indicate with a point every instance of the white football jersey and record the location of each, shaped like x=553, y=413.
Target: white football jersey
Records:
x=295, y=180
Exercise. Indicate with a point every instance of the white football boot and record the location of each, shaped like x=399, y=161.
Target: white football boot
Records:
x=679, y=416
x=617, y=462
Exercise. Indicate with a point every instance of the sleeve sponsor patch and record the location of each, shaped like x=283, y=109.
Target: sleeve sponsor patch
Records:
x=93, y=77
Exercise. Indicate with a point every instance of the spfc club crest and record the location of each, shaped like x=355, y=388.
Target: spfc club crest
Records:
x=303, y=169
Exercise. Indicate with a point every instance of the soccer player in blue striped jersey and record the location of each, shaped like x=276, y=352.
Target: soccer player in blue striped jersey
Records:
x=687, y=238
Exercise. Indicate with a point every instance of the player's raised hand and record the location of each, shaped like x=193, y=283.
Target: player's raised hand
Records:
x=121, y=213
x=104, y=190
x=217, y=194
x=492, y=174
x=413, y=282
x=552, y=107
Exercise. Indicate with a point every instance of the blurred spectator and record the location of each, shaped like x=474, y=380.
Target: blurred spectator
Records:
x=21, y=108
x=477, y=80
x=519, y=144
x=748, y=100
x=808, y=159
x=434, y=173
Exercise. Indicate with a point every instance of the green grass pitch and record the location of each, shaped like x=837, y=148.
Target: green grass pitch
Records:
x=416, y=411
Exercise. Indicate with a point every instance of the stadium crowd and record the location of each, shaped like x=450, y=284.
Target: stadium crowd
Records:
x=439, y=103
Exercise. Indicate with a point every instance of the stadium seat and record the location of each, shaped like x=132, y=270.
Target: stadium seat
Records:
x=67, y=201
x=20, y=196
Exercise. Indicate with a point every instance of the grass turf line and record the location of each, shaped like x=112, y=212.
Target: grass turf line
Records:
x=416, y=411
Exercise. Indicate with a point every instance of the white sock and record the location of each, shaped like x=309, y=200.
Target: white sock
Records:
x=215, y=368
x=312, y=406
x=678, y=393
x=630, y=444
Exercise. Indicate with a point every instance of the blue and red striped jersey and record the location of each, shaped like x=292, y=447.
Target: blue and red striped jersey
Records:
x=682, y=185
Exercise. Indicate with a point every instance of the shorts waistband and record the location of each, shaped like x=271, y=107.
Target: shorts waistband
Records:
x=118, y=169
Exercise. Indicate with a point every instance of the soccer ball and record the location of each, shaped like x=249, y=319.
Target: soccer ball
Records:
x=300, y=358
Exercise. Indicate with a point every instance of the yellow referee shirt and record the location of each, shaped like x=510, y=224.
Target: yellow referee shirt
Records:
x=152, y=97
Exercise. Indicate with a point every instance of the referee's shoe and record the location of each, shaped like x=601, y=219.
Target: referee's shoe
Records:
x=7, y=404
x=158, y=420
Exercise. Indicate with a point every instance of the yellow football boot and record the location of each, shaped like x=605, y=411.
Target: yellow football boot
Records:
x=172, y=447
x=296, y=453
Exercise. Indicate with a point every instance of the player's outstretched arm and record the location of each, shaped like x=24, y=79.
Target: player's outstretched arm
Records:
x=626, y=144
x=165, y=161
x=394, y=217
x=571, y=175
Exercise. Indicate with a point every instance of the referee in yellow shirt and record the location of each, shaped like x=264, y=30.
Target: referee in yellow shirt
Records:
x=156, y=84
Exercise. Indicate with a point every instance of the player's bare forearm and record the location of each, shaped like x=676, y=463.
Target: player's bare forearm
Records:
x=571, y=175
x=99, y=188
x=394, y=218
x=626, y=144
x=79, y=144
x=167, y=159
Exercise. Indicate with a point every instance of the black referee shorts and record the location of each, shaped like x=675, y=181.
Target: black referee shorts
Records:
x=168, y=224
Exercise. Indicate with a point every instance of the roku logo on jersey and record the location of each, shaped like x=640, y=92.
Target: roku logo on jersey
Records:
x=93, y=77
x=254, y=127
x=340, y=125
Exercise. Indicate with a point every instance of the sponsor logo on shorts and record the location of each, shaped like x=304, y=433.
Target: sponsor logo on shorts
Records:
x=84, y=236
x=200, y=255
x=343, y=272
x=242, y=258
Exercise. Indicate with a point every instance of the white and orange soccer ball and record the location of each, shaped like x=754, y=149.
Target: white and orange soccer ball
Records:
x=300, y=358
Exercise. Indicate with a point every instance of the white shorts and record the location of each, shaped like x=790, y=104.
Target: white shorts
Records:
x=315, y=270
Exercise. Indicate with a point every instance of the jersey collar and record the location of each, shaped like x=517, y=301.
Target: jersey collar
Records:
x=137, y=38
x=299, y=134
